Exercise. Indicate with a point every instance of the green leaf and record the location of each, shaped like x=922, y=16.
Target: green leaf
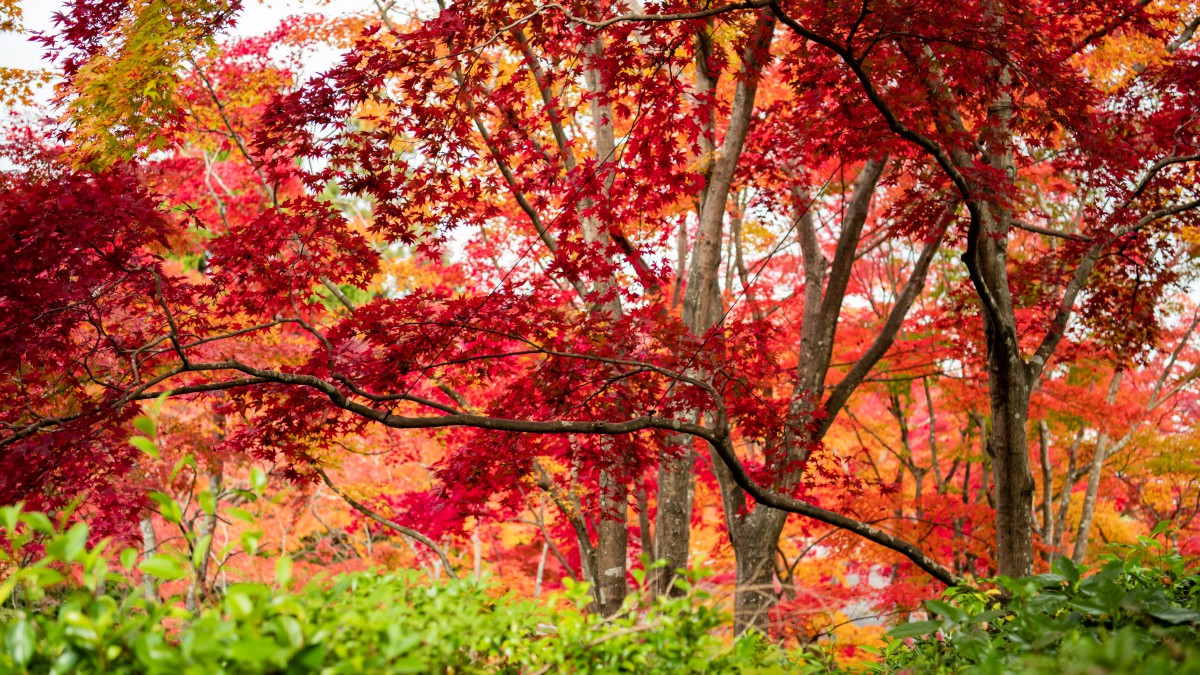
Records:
x=45, y=576
x=164, y=567
x=144, y=444
x=258, y=479
x=242, y=515
x=915, y=628
x=67, y=547
x=157, y=406
x=168, y=508
x=1151, y=543
x=239, y=603
x=186, y=460
x=283, y=571
x=146, y=425
x=66, y=662
x=38, y=521
x=201, y=551
x=19, y=641
x=250, y=542
x=1175, y=615
x=408, y=664
x=639, y=576
x=9, y=516
x=947, y=610
x=1067, y=568
x=208, y=502
x=7, y=586
x=128, y=557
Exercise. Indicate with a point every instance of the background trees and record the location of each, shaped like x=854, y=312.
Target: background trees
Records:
x=587, y=272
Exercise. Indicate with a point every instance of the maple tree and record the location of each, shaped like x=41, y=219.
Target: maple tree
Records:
x=629, y=265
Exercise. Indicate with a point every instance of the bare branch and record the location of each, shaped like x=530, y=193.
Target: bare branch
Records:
x=386, y=522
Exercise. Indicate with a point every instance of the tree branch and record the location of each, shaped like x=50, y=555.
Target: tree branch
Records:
x=407, y=531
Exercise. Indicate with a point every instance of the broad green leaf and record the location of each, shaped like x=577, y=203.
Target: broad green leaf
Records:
x=283, y=571
x=146, y=445
x=9, y=515
x=146, y=425
x=208, y=502
x=947, y=610
x=19, y=641
x=258, y=479
x=915, y=628
x=242, y=514
x=37, y=521
x=67, y=546
x=1175, y=615
x=168, y=508
x=201, y=550
x=250, y=541
x=164, y=567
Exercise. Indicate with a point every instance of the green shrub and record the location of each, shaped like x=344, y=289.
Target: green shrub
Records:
x=1138, y=613
x=66, y=612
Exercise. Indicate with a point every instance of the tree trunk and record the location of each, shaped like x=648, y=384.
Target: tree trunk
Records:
x=1095, y=472
x=196, y=590
x=702, y=307
x=672, y=533
x=1064, y=497
x=1088, y=512
x=1047, y=483
x=754, y=546
x=149, y=548
x=1013, y=479
x=612, y=545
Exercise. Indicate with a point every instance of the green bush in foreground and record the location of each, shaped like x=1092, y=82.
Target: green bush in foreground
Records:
x=65, y=611
x=367, y=623
x=56, y=616
x=1138, y=613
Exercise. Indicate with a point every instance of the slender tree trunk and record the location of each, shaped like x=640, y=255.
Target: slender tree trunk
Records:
x=645, y=532
x=149, y=548
x=541, y=571
x=1047, y=483
x=755, y=536
x=1095, y=472
x=676, y=482
x=196, y=590
x=612, y=530
x=1064, y=497
x=1088, y=511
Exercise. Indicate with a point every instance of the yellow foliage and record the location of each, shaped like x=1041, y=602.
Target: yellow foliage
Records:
x=122, y=97
x=10, y=16
x=1120, y=57
x=17, y=85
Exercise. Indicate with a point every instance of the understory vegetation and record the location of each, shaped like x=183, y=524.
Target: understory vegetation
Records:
x=67, y=607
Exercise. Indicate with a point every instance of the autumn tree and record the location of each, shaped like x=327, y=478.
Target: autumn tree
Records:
x=598, y=202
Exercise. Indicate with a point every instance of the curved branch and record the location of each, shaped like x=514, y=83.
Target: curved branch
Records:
x=718, y=438
x=406, y=531
x=725, y=451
